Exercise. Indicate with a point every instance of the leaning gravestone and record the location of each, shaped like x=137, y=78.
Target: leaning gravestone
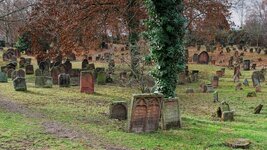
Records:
x=20, y=84
x=87, y=82
x=258, y=109
x=29, y=69
x=171, y=117
x=3, y=77
x=118, y=110
x=101, y=78
x=145, y=112
x=215, y=97
x=64, y=80
x=75, y=77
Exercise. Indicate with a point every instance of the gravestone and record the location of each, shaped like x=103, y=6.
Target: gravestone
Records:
x=258, y=109
x=75, y=77
x=251, y=94
x=203, y=88
x=238, y=87
x=38, y=72
x=3, y=77
x=43, y=82
x=68, y=66
x=13, y=74
x=29, y=69
x=203, y=58
x=101, y=78
x=215, y=97
x=195, y=58
x=215, y=81
x=64, y=80
x=257, y=77
x=22, y=62
x=97, y=70
x=219, y=73
x=171, y=117
x=9, y=72
x=210, y=88
x=246, y=65
x=28, y=61
x=84, y=64
x=20, y=84
x=54, y=73
x=118, y=110
x=44, y=65
x=225, y=113
x=87, y=82
x=245, y=82
x=238, y=143
x=254, y=66
x=145, y=112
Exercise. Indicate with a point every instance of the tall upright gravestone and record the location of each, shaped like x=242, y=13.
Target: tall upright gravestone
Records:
x=171, y=117
x=145, y=112
x=87, y=82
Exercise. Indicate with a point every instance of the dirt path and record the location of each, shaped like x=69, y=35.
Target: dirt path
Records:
x=58, y=129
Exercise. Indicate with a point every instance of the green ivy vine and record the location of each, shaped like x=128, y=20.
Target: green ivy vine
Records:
x=165, y=33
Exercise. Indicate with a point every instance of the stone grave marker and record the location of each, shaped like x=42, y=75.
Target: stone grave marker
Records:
x=75, y=77
x=210, y=88
x=238, y=143
x=28, y=61
x=43, y=82
x=246, y=65
x=258, y=109
x=87, y=82
x=171, y=116
x=22, y=62
x=189, y=91
x=254, y=66
x=195, y=58
x=3, y=77
x=97, y=70
x=145, y=112
x=251, y=94
x=20, y=84
x=225, y=113
x=54, y=73
x=245, y=82
x=203, y=58
x=44, y=65
x=68, y=66
x=215, y=81
x=215, y=97
x=29, y=69
x=84, y=64
x=64, y=80
x=118, y=110
x=101, y=78
x=9, y=72
x=38, y=72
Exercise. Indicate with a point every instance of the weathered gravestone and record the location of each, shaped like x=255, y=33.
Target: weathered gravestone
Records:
x=209, y=88
x=246, y=65
x=41, y=80
x=145, y=112
x=238, y=143
x=118, y=110
x=101, y=78
x=258, y=109
x=3, y=77
x=44, y=65
x=22, y=62
x=28, y=61
x=75, y=77
x=20, y=73
x=203, y=58
x=257, y=77
x=68, y=66
x=9, y=72
x=245, y=82
x=84, y=64
x=254, y=66
x=195, y=58
x=20, y=84
x=215, y=81
x=64, y=80
x=29, y=69
x=55, y=71
x=87, y=82
x=171, y=116
x=224, y=112
x=215, y=97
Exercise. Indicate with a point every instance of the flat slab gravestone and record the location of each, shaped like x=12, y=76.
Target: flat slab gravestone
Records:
x=87, y=82
x=238, y=143
x=145, y=112
x=171, y=117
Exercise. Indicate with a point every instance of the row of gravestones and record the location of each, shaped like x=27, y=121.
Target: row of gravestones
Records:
x=187, y=77
x=147, y=112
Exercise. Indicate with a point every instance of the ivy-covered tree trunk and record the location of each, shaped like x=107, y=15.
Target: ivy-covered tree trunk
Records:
x=166, y=33
x=133, y=25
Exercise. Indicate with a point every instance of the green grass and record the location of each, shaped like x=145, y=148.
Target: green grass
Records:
x=199, y=131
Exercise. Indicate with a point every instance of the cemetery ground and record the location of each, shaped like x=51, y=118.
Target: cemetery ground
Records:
x=64, y=118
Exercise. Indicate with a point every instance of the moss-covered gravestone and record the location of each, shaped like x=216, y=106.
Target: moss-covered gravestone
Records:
x=101, y=78
x=171, y=117
x=64, y=80
x=3, y=77
x=145, y=112
x=225, y=113
x=42, y=81
x=20, y=84
x=118, y=110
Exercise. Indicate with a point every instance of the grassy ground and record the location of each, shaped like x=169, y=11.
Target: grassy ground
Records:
x=90, y=113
